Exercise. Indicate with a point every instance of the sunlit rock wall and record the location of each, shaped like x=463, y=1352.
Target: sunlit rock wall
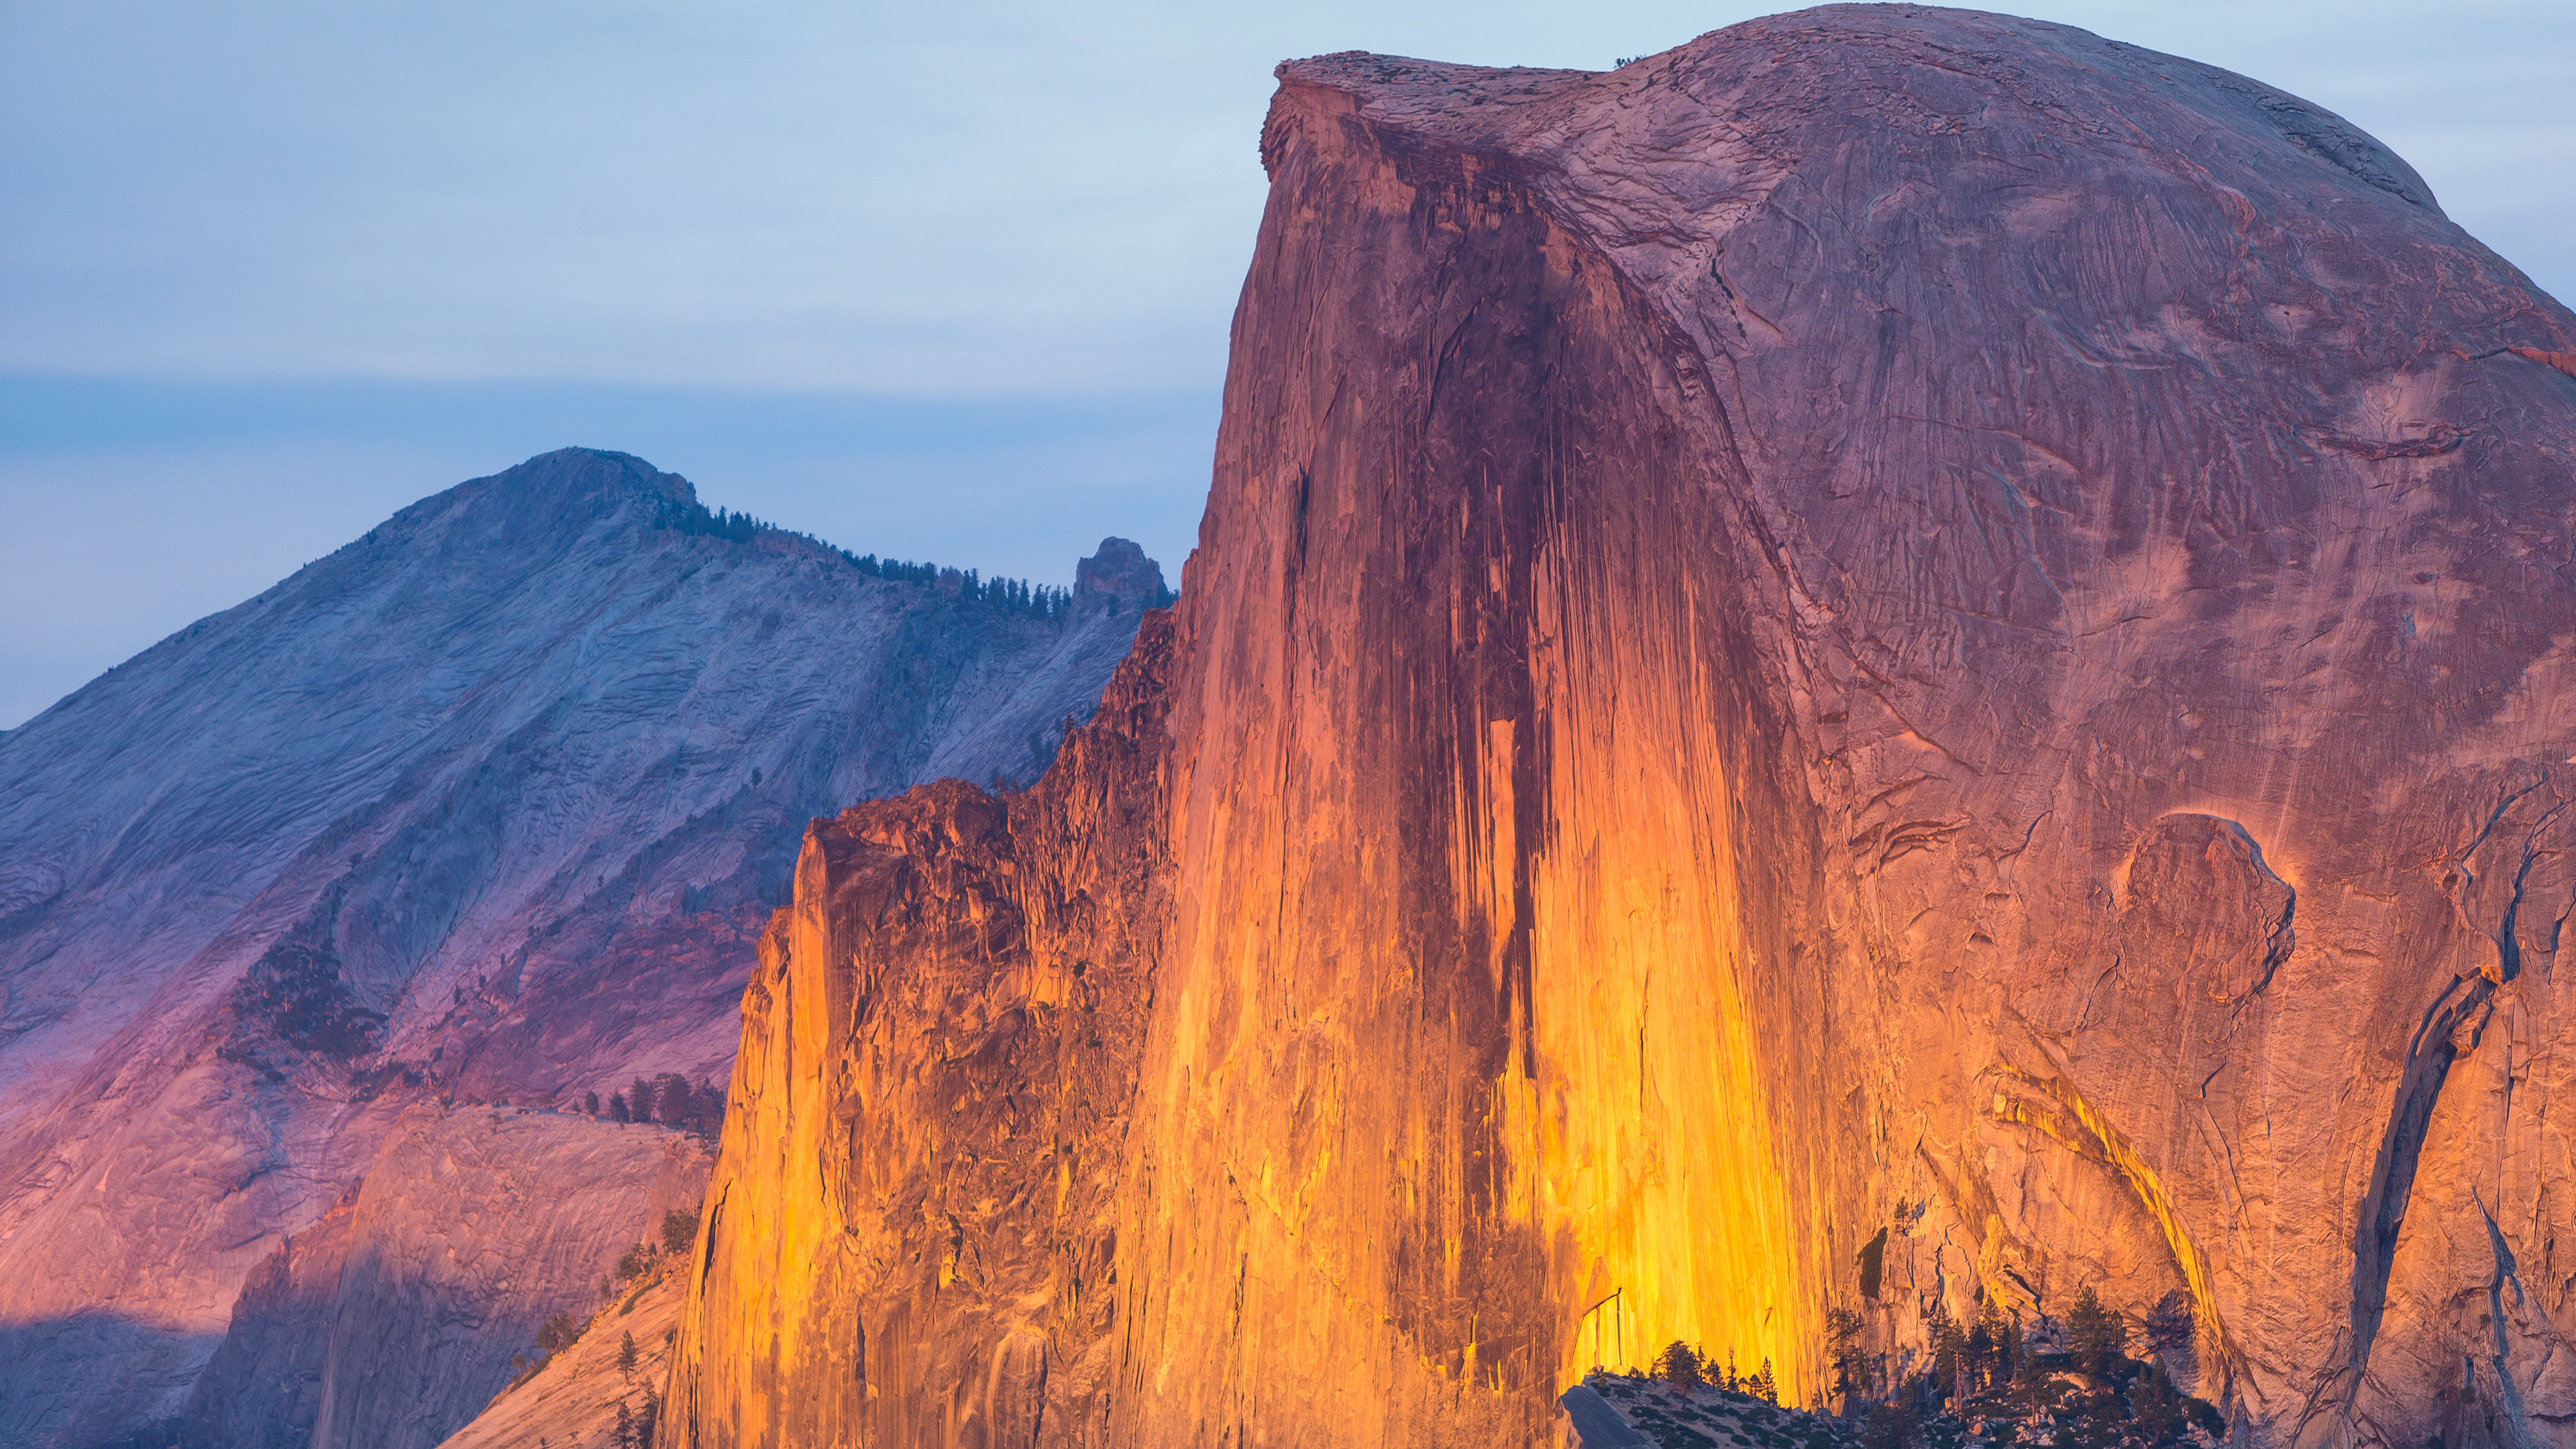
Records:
x=1477, y=1009
x=1898, y=656
x=909, y=1238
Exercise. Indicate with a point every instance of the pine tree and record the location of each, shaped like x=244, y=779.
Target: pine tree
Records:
x=2155, y=1405
x=1946, y=1342
x=639, y=1100
x=1977, y=1354
x=1679, y=1366
x=626, y=1353
x=617, y=1111
x=672, y=1094
x=679, y=1230
x=1890, y=1426
x=2170, y=1334
x=623, y=1436
x=2095, y=1335
x=556, y=1334
x=1842, y=1348
x=590, y=1103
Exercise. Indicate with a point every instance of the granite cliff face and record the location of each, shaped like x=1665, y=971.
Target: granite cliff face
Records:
x=488, y=807
x=574, y=1400
x=911, y=1237
x=1895, y=657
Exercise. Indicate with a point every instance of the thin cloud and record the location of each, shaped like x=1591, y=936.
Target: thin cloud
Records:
x=699, y=228
x=985, y=198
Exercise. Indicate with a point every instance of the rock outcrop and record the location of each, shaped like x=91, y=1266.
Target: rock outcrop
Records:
x=577, y=1398
x=488, y=807
x=1895, y=658
x=911, y=1237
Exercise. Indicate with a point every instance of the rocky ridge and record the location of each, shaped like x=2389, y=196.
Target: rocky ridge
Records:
x=1897, y=661
x=487, y=807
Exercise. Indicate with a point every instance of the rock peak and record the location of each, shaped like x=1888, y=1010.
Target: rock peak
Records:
x=598, y=473
x=1925, y=69
x=557, y=495
x=1119, y=574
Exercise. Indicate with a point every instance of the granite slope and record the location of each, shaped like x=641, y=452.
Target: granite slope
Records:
x=468, y=1231
x=572, y=1400
x=1898, y=657
x=487, y=807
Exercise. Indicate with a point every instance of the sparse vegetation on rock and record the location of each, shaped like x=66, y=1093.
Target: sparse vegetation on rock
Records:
x=559, y=1332
x=1983, y=1382
x=1679, y=1366
x=679, y=1229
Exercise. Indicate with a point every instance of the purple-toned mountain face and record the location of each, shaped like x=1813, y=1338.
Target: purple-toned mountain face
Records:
x=314, y=914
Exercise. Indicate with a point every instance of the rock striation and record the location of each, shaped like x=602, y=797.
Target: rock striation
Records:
x=488, y=807
x=912, y=1235
x=575, y=1398
x=470, y=1228
x=1899, y=657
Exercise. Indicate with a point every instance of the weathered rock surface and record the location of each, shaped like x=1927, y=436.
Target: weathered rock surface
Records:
x=911, y=1237
x=572, y=1402
x=1899, y=655
x=489, y=806
x=470, y=1228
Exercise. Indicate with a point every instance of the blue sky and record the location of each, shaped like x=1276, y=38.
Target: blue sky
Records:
x=940, y=282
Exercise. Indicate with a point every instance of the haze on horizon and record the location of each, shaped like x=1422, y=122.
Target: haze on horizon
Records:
x=949, y=286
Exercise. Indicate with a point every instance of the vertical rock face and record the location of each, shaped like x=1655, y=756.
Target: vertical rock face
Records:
x=263, y=1387
x=1897, y=656
x=487, y=807
x=911, y=1235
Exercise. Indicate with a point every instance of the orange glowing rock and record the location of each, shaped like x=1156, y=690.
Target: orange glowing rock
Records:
x=1897, y=657
x=2564, y=361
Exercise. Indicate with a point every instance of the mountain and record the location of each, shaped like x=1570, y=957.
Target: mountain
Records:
x=318, y=918
x=1895, y=662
